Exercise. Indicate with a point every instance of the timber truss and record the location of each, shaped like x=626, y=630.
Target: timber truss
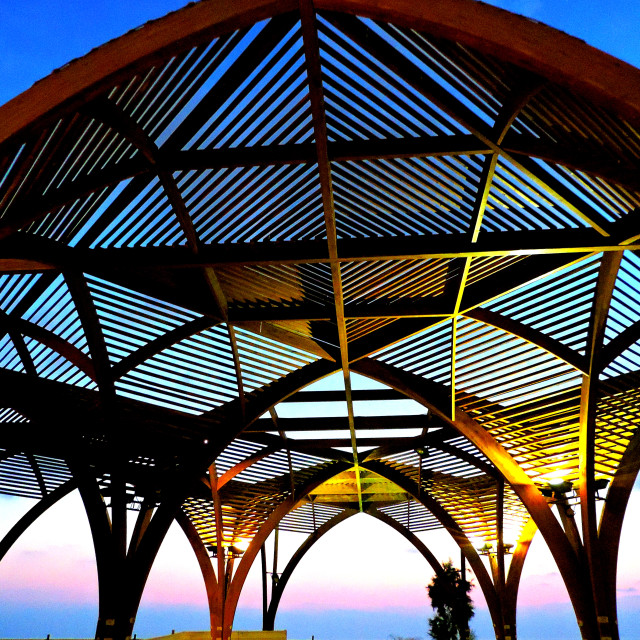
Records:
x=201, y=219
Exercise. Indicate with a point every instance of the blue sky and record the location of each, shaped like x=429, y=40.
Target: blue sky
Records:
x=37, y=36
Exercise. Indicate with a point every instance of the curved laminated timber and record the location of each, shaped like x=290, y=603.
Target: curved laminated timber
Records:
x=209, y=214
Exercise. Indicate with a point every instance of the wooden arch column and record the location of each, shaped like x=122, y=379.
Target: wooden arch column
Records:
x=434, y=397
x=224, y=588
x=279, y=586
x=122, y=568
x=612, y=516
x=269, y=617
x=204, y=562
x=492, y=589
x=512, y=582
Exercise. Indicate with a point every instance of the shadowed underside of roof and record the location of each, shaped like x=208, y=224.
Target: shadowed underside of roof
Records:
x=206, y=216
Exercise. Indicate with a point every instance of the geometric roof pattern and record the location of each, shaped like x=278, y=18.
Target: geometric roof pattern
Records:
x=203, y=217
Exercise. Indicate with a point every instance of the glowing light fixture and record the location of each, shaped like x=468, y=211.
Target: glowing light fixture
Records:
x=239, y=546
x=486, y=549
x=557, y=488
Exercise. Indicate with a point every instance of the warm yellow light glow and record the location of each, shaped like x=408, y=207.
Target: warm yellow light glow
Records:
x=476, y=542
x=556, y=476
x=242, y=544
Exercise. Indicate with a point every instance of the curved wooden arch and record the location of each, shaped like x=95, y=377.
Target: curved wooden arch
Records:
x=603, y=600
x=512, y=584
x=122, y=573
x=302, y=550
x=265, y=530
x=200, y=551
x=466, y=547
x=236, y=416
x=325, y=528
x=535, y=46
x=33, y=514
x=541, y=340
x=432, y=396
x=49, y=339
x=551, y=56
x=612, y=517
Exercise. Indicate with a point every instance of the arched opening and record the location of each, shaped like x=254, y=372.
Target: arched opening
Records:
x=174, y=598
x=55, y=550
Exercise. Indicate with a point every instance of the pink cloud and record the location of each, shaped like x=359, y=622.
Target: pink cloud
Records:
x=48, y=576
x=542, y=589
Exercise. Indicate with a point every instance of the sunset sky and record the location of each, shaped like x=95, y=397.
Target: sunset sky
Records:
x=363, y=580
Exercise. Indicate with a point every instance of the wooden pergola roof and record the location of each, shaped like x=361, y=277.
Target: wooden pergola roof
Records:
x=203, y=217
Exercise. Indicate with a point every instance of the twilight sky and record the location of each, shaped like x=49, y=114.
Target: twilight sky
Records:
x=362, y=581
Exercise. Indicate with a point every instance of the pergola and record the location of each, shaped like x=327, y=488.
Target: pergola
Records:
x=203, y=217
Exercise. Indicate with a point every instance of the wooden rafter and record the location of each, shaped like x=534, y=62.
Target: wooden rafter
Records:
x=243, y=198
x=314, y=73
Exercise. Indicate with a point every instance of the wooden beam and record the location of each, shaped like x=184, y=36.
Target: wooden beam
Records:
x=603, y=599
x=311, y=46
x=514, y=574
x=90, y=321
x=48, y=500
x=340, y=423
x=433, y=397
x=202, y=556
x=614, y=509
x=358, y=395
x=31, y=254
x=542, y=340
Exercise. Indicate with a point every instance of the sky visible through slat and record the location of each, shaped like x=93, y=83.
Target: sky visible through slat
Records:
x=362, y=581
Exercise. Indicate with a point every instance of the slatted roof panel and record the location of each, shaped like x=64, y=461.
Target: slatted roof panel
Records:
x=399, y=197
x=236, y=452
x=489, y=268
x=432, y=461
x=254, y=204
x=472, y=502
x=130, y=319
x=624, y=312
x=617, y=421
x=9, y=415
x=565, y=119
x=27, y=475
x=193, y=375
x=177, y=234
x=557, y=304
x=496, y=367
x=50, y=364
x=246, y=505
x=428, y=353
x=253, y=286
x=308, y=517
x=10, y=359
x=412, y=515
x=518, y=203
x=277, y=464
x=265, y=105
x=366, y=99
x=262, y=360
x=388, y=281
x=43, y=170
x=478, y=80
x=625, y=363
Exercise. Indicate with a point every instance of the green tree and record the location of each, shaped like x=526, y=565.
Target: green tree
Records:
x=449, y=594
